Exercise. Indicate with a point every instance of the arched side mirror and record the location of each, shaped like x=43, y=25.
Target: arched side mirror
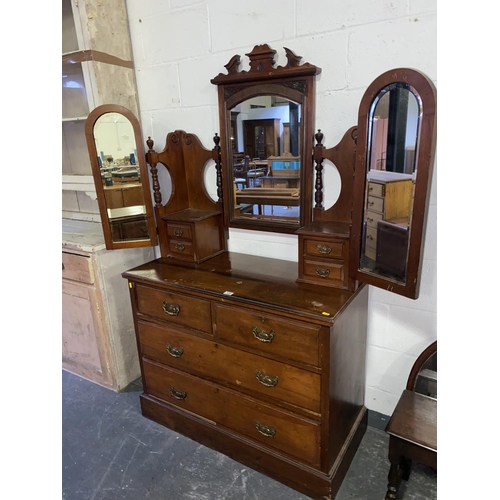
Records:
x=396, y=141
x=114, y=142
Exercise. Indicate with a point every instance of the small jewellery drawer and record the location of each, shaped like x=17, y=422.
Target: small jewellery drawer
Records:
x=77, y=268
x=327, y=249
x=277, y=429
x=269, y=334
x=230, y=366
x=376, y=189
x=181, y=248
x=372, y=218
x=331, y=271
x=175, y=308
x=179, y=231
x=375, y=204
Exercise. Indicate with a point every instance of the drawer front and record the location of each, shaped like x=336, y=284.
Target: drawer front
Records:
x=262, y=423
x=375, y=204
x=179, y=231
x=230, y=366
x=269, y=334
x=376, y=189
x=77, y=268
x=372, y=218
x=330, y=271
x=371, y=237
x=326, y=249
x=181, y=248
x=135, y=230
x=175, y=308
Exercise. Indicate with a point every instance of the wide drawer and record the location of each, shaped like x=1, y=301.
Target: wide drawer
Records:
x=230, y=366
x=269, y=334
x=175, y=308
x=77, y=268
x=375, y=204
x=329, y=271
x=277, y=429
x=326, y=249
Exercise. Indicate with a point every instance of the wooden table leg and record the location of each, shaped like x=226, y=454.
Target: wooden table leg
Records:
x=394, y=477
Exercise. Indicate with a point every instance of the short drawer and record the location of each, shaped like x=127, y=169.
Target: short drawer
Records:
x=230, y=367
x=375, y=204
x=268, y=334
x=371, y=237
x=372, y=218
x=77, y=268
x=263, y=423
x=376, y=189
x=330, y=271
x=181, y=248
x=175, y=308
x=333, y=249
x=177, y=231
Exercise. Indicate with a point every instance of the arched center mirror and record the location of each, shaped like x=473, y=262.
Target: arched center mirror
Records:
x=392, y=178
x=122, y=184
x=266, y=119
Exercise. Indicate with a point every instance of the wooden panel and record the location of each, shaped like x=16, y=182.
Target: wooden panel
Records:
x=270, y=335
x=80, y=330
x=231, y=366
x=77, y=268
x=193, y=313
x=275, y=428
x=133, y=196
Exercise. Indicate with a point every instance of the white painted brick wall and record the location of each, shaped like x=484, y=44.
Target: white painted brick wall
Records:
x=179, y=45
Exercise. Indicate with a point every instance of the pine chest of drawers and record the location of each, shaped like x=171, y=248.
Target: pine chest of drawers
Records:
x=238, y=356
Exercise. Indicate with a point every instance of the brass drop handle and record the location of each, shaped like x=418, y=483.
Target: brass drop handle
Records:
x=177, y=394
x=262, y=335
x=322, y=273
x=369, y=220
x=369, y=237
x=176, y=352
x=371, y=203
x=324, y=249
x=266, y=379
x=180, y=247
x=178, y=232
x=265, y=430
x=171, y=309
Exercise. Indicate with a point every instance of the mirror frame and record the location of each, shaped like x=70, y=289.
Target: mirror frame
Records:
x=292, y=82
x=92, y=118
x=424, y=161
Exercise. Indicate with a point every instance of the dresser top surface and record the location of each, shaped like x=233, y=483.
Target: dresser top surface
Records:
x=249, y=279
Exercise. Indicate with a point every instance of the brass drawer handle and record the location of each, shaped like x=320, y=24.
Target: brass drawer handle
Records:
x=177, y=394
x=266, y=379
x=324, y=249
x=265, y=430
x=369, y=237
x=171, y=309
x=180, y=247
x=262, y=335
x=323, y=273
x=176, y=352
x=369, y=220
x=178, y=232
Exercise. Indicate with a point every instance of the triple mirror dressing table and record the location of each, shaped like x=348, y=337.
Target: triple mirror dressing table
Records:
x=259, y=358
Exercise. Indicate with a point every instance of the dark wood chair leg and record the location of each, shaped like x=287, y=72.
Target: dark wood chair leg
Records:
x=406, y=465
x=394, y=478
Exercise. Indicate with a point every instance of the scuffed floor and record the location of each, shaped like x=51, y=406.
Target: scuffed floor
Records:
x=110, y=451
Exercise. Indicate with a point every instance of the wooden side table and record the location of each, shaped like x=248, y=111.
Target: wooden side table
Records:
x=413, y=436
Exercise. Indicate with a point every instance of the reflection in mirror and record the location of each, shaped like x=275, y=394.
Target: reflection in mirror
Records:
x=121, y=177
x=426, y=381
x=393, y=129
x=265, y=143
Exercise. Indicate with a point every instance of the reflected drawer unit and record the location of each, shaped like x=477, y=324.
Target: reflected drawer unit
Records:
x=238, y=356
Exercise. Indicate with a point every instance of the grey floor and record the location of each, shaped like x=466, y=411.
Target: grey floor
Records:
x=110, y=451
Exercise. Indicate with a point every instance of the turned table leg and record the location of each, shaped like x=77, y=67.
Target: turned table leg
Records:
x=394, y=477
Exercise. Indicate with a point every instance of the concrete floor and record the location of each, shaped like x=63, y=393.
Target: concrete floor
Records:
x=110, y=451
